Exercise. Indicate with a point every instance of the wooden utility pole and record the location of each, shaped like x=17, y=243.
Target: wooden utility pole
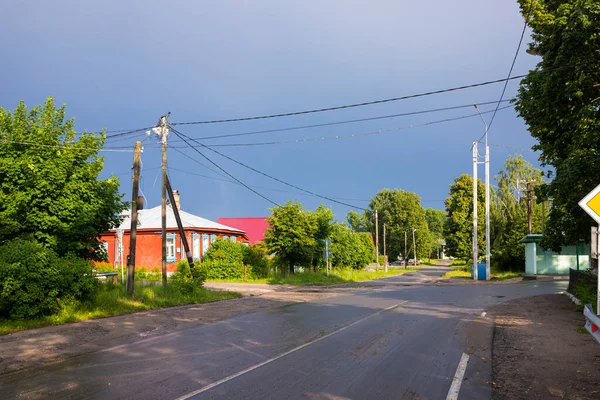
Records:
x=385, y=264
x=186, y=246
x=134, y=219
x=163, y=133
x=376, y=241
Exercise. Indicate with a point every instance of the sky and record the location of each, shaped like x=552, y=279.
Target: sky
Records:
x=122, y=64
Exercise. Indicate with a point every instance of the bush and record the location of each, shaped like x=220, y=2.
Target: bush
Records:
x=34, y=280
x=187, y=281
x=255, y=257
x=222, y=270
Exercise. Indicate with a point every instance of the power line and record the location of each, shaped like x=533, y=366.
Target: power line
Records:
x=181, y=135
x=231, y=176
x=511, y=69
x=378, y=132
x=255, y=186
x=125, y=133
x=412, y=96
x=196, y=161
x=347, y=121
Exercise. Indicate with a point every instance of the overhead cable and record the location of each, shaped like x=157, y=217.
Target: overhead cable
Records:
x=346, y=121
x=228, y=174
x=367, y=103
x=181, y=135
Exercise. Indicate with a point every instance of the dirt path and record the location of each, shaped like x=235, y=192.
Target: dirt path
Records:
x=538, y=353
x=35, y=347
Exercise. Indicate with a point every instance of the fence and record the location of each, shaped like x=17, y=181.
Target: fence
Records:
x=580, y=278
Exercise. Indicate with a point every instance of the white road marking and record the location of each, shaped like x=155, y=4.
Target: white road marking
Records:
x=458, y=378
x=270, y=360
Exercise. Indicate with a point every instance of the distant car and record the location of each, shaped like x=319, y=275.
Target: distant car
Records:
x=412, y=261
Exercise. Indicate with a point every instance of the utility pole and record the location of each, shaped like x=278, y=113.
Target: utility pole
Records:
x=163, y=134
x=475, y=249
x=405, y=251
x=376, y=241
x=415, y=245
x=488, y=249
x=134, y=218
x=186, y=246
x=385, y=264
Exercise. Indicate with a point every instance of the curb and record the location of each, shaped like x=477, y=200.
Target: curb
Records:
x=573, y=298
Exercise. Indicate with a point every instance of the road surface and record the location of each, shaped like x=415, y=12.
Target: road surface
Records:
x=397, y=339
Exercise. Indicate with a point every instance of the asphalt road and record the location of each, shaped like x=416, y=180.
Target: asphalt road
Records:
x=397, y=339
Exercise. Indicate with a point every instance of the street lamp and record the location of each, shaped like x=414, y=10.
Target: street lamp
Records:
x=487, y=200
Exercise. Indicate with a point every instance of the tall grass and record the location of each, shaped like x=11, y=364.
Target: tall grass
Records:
x=112, y=300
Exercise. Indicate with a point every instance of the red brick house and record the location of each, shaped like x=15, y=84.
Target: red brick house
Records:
x=200, y=233
x=255, y=227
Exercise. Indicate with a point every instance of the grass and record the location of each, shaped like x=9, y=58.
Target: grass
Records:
x=112, y=300
x=586, y=292
x=462, y=270
x=320, y=278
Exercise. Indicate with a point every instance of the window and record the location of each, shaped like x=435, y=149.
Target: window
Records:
x=195, y=246
x=213, y=238
x=171, y=257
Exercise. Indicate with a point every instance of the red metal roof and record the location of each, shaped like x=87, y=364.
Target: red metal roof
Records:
x=254, y=227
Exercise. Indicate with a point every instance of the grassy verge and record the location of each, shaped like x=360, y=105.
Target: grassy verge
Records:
x=457, y=273
x=462, y=270
x=112, y=300
x=586, y=292
x=320, y=278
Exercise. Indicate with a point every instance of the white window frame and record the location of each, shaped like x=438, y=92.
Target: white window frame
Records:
x=171, y=248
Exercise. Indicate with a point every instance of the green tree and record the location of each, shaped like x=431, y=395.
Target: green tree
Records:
x=48, y=180
x=459, y=222
x=509, y=213
x=436, y=220
x=356, y=221
x=559, y=101
x=401, y=211
x=349, y=248
x=323, y=217
x=291, y=235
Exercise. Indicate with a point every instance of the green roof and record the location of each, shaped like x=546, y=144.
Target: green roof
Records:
x=531, y=238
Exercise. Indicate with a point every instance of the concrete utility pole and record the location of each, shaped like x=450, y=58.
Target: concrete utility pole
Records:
x=415, y=245
x=475, y=249
x=175, y=206
x=163, y=134
x=385, y=264
x=376, y=241
x=488, y=250
x=134, y=219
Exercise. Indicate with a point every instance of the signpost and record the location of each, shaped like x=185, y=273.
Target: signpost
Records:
x=591, y=205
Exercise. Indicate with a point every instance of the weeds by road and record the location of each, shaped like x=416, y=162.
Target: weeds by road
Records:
x=463, y=271
x=112, y=300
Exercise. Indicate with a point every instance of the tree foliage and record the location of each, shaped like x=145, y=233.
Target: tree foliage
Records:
x=436, y=221
x=509, y=213
x=291, y=235
x=48, y=181
x=400, y=211
x=349, y=248
x=560, y=102
x=459, y=224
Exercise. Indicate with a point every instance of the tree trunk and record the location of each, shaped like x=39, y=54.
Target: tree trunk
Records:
x=291, y=270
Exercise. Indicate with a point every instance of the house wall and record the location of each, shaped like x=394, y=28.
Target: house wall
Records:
x=149, y=247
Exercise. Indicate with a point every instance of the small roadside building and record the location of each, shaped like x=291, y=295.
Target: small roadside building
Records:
x=200, y=233
x=540, y=261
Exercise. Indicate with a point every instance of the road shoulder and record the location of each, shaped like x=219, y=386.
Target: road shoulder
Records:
x=537, y=352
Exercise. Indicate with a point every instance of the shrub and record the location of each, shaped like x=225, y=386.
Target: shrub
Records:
x=255, y=258
x=223, y=270
x=34, y=280
x=187, y=281
x=104, y=267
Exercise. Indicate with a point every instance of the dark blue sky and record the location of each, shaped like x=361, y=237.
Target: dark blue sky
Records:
x=122, y=64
